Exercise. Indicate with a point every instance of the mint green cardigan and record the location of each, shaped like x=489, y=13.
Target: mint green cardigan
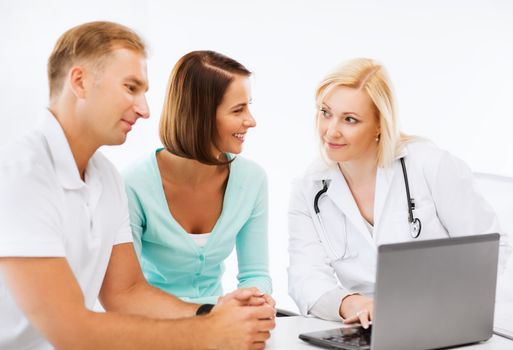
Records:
x=169, y=257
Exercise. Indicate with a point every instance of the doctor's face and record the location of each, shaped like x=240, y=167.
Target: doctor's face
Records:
x=348, y=125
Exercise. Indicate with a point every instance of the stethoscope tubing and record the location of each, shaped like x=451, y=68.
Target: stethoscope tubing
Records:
x=414, y=223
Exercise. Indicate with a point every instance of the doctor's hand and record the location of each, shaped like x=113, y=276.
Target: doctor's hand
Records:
x=357, y=308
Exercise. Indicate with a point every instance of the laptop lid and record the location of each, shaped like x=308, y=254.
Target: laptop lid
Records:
x=428, y=294
x=435, y=293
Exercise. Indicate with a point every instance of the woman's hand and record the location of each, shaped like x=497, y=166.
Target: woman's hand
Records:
x=357, y=308
x=249, y=297
x=269, y=301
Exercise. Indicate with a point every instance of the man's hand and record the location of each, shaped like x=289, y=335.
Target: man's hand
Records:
x=270, y=301
x=50, y=297
x=234, y=326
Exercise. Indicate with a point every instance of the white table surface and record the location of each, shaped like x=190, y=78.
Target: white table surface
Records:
x=285, y=335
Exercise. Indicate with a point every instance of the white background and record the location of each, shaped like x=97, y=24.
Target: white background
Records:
x=451, y=63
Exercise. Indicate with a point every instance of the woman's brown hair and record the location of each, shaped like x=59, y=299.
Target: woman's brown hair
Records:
x=195, y=89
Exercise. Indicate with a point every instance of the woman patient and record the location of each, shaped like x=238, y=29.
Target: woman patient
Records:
x=192, y=201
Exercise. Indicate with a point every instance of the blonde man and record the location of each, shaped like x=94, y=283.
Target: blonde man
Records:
x=66, y=239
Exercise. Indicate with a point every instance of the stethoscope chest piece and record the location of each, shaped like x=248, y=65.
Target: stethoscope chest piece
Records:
x=415, y=228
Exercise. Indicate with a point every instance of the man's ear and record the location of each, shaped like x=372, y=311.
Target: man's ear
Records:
x=77, y=77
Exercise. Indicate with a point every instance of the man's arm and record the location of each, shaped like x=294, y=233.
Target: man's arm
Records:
x=125, y=289
x=50, y=297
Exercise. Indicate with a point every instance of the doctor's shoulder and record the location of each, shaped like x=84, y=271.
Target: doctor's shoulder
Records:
x=432, y=160
x=311, y=178
x=317, y=167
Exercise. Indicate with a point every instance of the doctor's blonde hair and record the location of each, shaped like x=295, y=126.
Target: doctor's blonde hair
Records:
x=368, y=75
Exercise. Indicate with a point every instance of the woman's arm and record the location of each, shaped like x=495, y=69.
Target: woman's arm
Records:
x=252, y=245
x=137, y=218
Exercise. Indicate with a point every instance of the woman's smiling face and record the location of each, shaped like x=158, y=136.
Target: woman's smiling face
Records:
x=233, y=117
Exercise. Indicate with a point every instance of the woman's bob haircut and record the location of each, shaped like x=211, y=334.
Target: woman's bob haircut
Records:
x=195, y=90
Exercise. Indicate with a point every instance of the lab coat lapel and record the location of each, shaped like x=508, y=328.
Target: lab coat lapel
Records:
x=384, y=179
x=341, y=195
x=384, y=182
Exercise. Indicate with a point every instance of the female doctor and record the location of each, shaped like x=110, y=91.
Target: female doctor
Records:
x=372, y=185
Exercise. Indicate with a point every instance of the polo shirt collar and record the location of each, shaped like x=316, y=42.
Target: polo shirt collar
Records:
x=60, y=151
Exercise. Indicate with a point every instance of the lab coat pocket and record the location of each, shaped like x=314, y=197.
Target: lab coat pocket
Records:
x=398, y=228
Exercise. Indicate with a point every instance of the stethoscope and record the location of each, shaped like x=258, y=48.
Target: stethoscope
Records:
x=414, y=223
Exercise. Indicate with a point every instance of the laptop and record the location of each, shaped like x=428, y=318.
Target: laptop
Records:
x=428, y=294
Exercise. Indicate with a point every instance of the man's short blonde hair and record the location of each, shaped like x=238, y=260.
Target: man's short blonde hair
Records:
x=89, y=41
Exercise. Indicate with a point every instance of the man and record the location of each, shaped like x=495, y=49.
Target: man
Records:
x=65, y=239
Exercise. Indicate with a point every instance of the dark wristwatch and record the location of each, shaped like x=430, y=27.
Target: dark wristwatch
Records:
x=204, y=309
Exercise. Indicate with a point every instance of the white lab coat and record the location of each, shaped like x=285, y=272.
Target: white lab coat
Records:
x=446, y=200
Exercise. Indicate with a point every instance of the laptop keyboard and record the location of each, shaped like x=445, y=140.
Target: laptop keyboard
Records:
x=356, y=337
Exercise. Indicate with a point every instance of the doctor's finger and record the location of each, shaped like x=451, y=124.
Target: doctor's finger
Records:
x=352, y=319
x=361, y=316
x=371, y=314
x=364, y=317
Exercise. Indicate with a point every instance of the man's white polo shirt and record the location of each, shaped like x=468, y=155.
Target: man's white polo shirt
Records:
x=46, y=210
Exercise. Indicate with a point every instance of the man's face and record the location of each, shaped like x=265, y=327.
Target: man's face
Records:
x=115, y=97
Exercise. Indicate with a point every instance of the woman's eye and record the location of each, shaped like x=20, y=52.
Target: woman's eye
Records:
x=325, y=113
x=351, y=120
x=238, y=111
x=130, y=88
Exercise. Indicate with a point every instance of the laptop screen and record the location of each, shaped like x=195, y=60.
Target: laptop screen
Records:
x=433, y=293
